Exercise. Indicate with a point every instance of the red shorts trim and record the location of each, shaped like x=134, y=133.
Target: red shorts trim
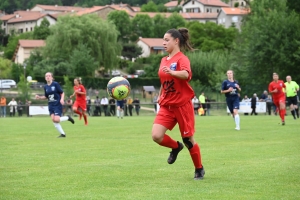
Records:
x=77, y=105
x=169, y=116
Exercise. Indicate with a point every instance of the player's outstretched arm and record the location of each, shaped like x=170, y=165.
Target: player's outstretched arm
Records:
x=40, y=97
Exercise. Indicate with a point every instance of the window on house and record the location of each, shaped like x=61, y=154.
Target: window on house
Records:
x=20, y=30
x=242, y=3
x=30, y=28
x=26, y=30
x=207, y=10
x=217, y=10
x=193, y=2
x=210, y=10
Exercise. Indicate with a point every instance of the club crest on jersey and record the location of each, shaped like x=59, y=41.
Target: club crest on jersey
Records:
x=280, y=84
x=52, y=88
x=173, y=66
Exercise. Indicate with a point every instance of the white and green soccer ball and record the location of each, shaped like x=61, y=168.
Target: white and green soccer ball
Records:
x=118, y=88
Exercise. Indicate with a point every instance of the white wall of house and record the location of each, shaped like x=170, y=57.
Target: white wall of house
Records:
x=227, y=20
x=193, y=6
x=50, y=20
x=22, y=54
x=21, y=27
x=145, y=48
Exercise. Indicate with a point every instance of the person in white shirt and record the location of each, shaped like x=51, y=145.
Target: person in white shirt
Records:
x=104, y=104
x=13, y=107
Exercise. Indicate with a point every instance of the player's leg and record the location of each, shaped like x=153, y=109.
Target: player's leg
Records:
x=75, y=109
x=236, y=106
x=294, y=101
x=186, y=122
x=55, y=116
x=160, y=126
x=282, y=110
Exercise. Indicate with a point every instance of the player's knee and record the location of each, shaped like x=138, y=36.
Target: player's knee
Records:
x=187, y=143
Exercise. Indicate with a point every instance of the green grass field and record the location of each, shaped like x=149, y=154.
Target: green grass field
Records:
x=117, y=159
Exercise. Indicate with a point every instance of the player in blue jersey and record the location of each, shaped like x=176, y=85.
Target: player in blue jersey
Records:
x=120, y=108
x=55, y=96
x=231, y=88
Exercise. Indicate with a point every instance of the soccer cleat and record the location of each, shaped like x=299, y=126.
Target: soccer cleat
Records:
x=71, y=119
x=283, y=123
x=237, y=128
x=61, y=135
x=199, y=173
x=173, y=154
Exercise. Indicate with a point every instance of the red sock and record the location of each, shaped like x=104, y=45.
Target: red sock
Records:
x=282, y=114
x=169, y=142
x=79, y=113
x=196, y=156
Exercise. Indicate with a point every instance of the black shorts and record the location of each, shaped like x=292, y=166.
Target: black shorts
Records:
x=292, y=100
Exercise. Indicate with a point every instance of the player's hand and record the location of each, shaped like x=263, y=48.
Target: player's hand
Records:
x=62, y=102
x=230, y=89
x=237, y=86
x=167, y=70
x=275, y=91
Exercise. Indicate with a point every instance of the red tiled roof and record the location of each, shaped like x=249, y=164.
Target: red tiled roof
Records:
x=235, y=11
x=152, y=42
x=27, y=16
x=7, y=17
x=90, y=10
x=199, y=15
x=172, y=4
x=59, y=8
x=136, y=9
x=32, y=43
x=218, y=3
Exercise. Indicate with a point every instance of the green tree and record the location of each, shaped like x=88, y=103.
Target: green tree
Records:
x=161, y=26
x=149, y=7
x=142, y=26
x=122, y=22
x=82, y=61
x=43, y=31
x=16, y=72
x=24, y=91
x=68, y=87
x=268, y=43
x=210, y=36
x=131, y=50
x=5, y=68
x=176, y=21
x=99, y=36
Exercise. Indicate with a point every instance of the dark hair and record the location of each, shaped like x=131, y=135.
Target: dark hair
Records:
x=184, y=38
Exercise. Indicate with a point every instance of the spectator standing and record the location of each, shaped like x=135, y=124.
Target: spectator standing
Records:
x=28, y=103
x=69, y=106
x=202, y=102
x=137, y=106
x=97, y=111
x=20, y=108
x=104, y=104
x=264, y=96
x=12, y=107
x=207, y=102
x=253, y=104
x=88, y=105
x=196, y=105
x=269, y=103
x=112, y=109
x=125, y=108
x=130, y=106
x=155, y=103
x=3, y=106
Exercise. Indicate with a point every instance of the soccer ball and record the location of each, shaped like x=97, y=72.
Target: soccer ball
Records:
x=118, y=88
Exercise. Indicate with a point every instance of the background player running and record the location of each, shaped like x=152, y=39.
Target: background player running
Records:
x=55, y=96
x=231, y=88
x=80, y=102
x=278, y=96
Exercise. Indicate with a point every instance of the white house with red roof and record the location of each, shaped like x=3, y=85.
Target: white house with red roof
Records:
x=151, y=46
x=24, y=21
x=173, y=4
x=232, y=16
x=53, y=9
x=24, y=48
x=203, y=6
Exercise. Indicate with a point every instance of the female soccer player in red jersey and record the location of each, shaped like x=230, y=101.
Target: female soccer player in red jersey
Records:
x=276, y=89
x=175, y=100
x=80, y=101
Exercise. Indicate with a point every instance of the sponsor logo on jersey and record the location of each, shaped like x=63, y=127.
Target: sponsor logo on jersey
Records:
x=173, y=66
x=52, y=88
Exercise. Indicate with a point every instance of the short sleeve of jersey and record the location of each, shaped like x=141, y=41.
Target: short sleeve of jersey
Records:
x=184, y=64
x=60, y=91
x=82, y=88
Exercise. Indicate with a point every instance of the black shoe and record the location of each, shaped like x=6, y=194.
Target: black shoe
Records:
x=283, y=123
x=199, y=174
x=61, y=135
x=173, y=154
x=71, y=119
